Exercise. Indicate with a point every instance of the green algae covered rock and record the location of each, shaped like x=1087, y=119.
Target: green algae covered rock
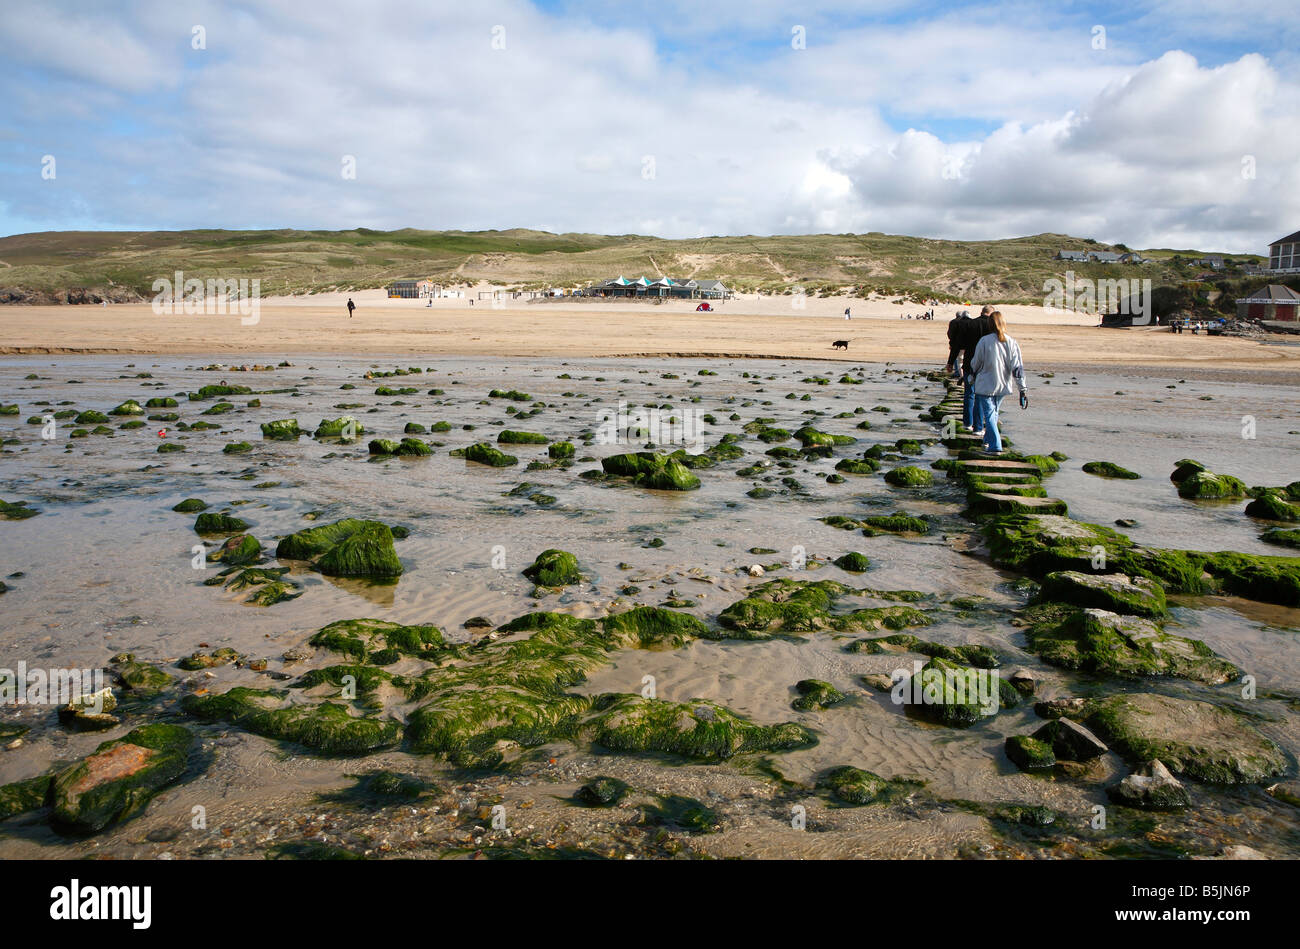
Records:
x=485, y=454
x=857, y=465
x=815, y=695
x=90, y=417
x=651, y=626
x=560, y=450
x=476, y=726
x=971, y=654
x=382, y=446
x=1138, y=596
x=216, y=391
x=1271, y=507
x=219, y=523
x=129, y=407
x=237, y=448
x=237, y=551
x=16, y=510
x=651, y=470
x=345, y=548
x=853, y=786
x=1104, y=642
x=958, y=696
x=367, y=552
x=897, y=523
x=853, y=562
x=345, y=427
x=191, y=506
x=1184, y=468
x=326, y=727
x=1255, y=577
x=161, y=402
x=1108, y=469
x=508, y=437
x=1193, y=738
x=282, y=430
x=909, y=476
x=139, y=678
x=1029, y=754
x=23, y=796
x=697, y=729
x=374, y=640
x=1207, y=485
x=601, y=791
x=554, y=568
x=1281, y=537
x=120, y=778
x=783, y=606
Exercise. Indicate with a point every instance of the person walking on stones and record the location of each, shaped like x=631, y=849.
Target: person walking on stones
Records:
x=964, y=334
x=998, y=371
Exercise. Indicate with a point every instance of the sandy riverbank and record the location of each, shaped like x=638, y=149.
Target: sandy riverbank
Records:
x=752, y=327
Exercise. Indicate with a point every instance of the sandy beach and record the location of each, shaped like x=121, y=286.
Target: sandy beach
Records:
x=750, y=326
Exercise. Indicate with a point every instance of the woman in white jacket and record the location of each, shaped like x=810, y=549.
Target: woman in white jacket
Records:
x=998, y=371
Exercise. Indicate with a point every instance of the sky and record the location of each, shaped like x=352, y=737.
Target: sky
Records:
x=1164, y=123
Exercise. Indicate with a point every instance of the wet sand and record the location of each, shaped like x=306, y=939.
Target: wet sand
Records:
x=106, y=568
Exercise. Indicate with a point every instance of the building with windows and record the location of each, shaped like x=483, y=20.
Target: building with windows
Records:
x=1273, y=302
x=1284, y=254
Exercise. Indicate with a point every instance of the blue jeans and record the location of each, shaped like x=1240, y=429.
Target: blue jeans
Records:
x=969, y=417
x=986, y=406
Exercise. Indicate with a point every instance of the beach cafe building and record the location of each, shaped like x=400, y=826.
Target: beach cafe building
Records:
x=664, y=288
x=1273, y=302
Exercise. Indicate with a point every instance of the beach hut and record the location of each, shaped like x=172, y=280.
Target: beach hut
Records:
x=713, y=290
x=1274, y=302
x=404, y=290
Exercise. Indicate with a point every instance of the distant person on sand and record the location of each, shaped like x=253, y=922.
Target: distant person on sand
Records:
x=847, y=315
x=998, y=370
x=351, y=306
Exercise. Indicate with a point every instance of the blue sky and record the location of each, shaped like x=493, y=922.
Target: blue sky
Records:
x=967, y=120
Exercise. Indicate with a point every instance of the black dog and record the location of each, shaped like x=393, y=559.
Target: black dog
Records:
x=840, y=344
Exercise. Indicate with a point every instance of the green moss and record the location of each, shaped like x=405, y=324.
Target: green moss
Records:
x=170, y=447
x=601, y=791
x=1029, y=754
x=1271, y=507
x=237, y=448
x=22, y=796
x=554, y=568
x=853, y=786
x=857, y=465
x=120, y=778
x=361, y=639
x=220, y=408
x=680, y=813
x=951, y=694
x=326, y=727
x=129, y=407
x=90, y=417
x=219, y=523
x=560, y=450
x=1206, y=484
x=697, y=729
x=281, y=430
x=214, y=391
x=897, y=523
x=1098, y=641
x=1108, y=469
x=971, y=654
x=368, y=552
x=784, y=605
x=1281, y=537
x=475, y=726
x=161, y=402
x=139, y=678
x=909, y=476
x=650, y=626
x=853, y=562
x=508, y=437
x=1137, y=596
x=1256, y=577
x=512, y=394
x=345, y=426
x=485, y=454
x=190, y=506
x=815, y=695
x=16, y=510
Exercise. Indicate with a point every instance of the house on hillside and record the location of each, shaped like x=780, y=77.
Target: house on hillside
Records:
x=1073, y=256
x=1214, y=262
x=1132, y=257
x=1284, y=254
x=1105, y=257
x=1274, y=302
x=714, y=290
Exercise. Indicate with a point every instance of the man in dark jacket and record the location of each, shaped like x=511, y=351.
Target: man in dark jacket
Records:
x=964, y=334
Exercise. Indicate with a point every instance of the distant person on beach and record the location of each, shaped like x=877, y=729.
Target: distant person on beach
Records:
x=847, y=316
x=351, y=306
x=998, y=370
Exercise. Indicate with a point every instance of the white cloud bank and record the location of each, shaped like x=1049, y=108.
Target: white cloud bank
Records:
x=588, y=128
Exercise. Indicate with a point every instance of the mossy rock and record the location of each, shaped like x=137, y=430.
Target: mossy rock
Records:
x=651, y=627
x=1137, y=596
x=815, y=695
x=554, y=568
x=23, y=796
x=1281, y=537
x=326, y=727
x=956, y=695
x=508, y=437
x=90, y=417
x=219, y=523
x=1184, y=468
x=240, y=550
x=237, y=448
x=129, y=407
x=909, y=476
x=222, y=656
x=857, y=465
x=560, y=450
x=601, y=791
x=282, y=430
x=853, y=786
x=1193, y=738
x=1108, y=469
x=853, y=562
x=364, y=639
x=897, y=523
x=1271, y=507
x=1029, y=754
x=16, y=510
x=161, y=402
x=1103, y=642
x=698, y=729
x=119, y=778
x=970, y=654
x=782, y=606
x=190, y=506
x=344, y=427
x=677, y=812
x=166, y=447
x=485, y=454
x=478, y=725
x=367, y=552
x=1207, y=485
x=216, y=391
x=139, y=678
x=382, y=446
x=1255, y=577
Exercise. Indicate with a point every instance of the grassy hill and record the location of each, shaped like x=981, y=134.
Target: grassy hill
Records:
x=79, y=266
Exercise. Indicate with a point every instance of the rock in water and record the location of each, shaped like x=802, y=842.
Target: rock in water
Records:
x=120, y=778
x=1151, y=788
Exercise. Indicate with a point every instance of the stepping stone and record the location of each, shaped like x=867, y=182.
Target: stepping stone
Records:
x=985, y=503
x=1000, y=466
x=1023, y=489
